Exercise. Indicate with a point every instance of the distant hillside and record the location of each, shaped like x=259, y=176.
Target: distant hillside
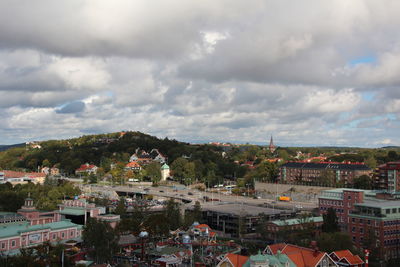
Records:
x=101, y=150
x=5, y=147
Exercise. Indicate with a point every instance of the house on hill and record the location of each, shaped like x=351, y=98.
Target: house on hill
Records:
x=86, y=169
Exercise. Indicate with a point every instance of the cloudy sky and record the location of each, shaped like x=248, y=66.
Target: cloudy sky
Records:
x=307, y=72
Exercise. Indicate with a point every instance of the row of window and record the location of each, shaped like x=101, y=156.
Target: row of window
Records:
x=391, y=232
x=332, y=202
x=387, y=223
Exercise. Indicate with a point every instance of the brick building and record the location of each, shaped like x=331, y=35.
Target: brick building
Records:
x=386, y=177
x=309, y=172
x=366, y=215
x=342, y=200
x=276, y=226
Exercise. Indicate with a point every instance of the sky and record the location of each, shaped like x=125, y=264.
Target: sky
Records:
x=307, y=72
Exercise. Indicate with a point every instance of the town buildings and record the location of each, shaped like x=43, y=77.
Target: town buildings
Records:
x=30, y=227
x=277, y=226
x=322, y=172
x=235, y=219
x=301, y=256
x=386, y=177
x=16, y=177
x=367, y=215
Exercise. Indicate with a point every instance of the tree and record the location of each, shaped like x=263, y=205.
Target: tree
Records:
x=330, y=224
x=173, y=215
x=178, y=168
x=335, y=241
x=362, y=182
x=101, y=238
x=153, y=170
x=121, y=209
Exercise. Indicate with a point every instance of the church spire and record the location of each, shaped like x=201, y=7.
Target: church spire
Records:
x=271, y=145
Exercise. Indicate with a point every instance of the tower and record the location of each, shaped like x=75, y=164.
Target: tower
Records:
x=164, y=172
x=272, y=148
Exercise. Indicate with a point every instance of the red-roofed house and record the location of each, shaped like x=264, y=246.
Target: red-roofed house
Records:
x=133, y=166
x=23, y=177
x=346, y=258
x=86, y=168
x=302, y=257
x=234, y=260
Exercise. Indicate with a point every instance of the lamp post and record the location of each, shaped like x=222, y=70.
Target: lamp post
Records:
x=143, y=235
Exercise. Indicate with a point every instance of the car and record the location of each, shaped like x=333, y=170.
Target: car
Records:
x=146, y=189
x=190, y=193
x=161, y=191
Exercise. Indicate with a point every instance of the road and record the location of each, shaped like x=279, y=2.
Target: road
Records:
x=196, y=195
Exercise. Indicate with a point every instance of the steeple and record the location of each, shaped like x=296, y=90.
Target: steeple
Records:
x=271, y=145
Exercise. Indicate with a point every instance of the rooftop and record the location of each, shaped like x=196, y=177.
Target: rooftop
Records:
x=22, y=227
x=379, y=203
x=297, y=221
x=242, y=209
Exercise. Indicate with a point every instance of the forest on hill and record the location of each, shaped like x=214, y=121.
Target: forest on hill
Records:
x=210, y=163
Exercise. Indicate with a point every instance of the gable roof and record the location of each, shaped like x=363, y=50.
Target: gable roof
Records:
x=302, y=257
x=348, y=256
x=237, y=260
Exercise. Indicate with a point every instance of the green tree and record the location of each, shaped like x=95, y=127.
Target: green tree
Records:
x=173, y=214
x=330, y=224
x=178, y=168
x=362, y=182
x=121, y=209
x=101, y=238
x=153, y=170
x=335, y=241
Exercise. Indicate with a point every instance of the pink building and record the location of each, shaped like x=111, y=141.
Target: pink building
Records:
x=30, y=227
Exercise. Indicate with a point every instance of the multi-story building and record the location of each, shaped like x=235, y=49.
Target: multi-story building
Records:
x=342, y=200
x=234, y=219
x=309, y=172
x=366, y=215
x=386, y=177
x=276, y=226
x=30, y=227
x=377, y=220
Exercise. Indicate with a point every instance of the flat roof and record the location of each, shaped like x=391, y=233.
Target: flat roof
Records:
x=379, y=203
x=242, y=209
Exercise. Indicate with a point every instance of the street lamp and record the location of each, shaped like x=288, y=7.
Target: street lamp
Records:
x=143, y=235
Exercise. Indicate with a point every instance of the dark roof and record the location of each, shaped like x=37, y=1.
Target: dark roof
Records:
x=326, y=165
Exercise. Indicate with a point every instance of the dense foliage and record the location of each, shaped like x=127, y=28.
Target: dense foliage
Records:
x=46, y=197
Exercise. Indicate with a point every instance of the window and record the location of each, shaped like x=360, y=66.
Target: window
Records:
x=62, y=235
x=3, y=245
x=387, y=211
x=369, y=222
x=394, y=210
x=353, y=229
x=54, y=236
x=361, y=220
x=353, y=220
x=349, y=197
x=361, y=230
x=13, y=243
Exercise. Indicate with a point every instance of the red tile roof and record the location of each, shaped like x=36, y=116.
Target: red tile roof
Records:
x=346, y=254
x=237, y=260
x=85, y=167
x=133, y=164
x=16, y=174
x=302, y=257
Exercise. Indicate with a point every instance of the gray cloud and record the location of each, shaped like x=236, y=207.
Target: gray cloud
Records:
x=218, y=70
